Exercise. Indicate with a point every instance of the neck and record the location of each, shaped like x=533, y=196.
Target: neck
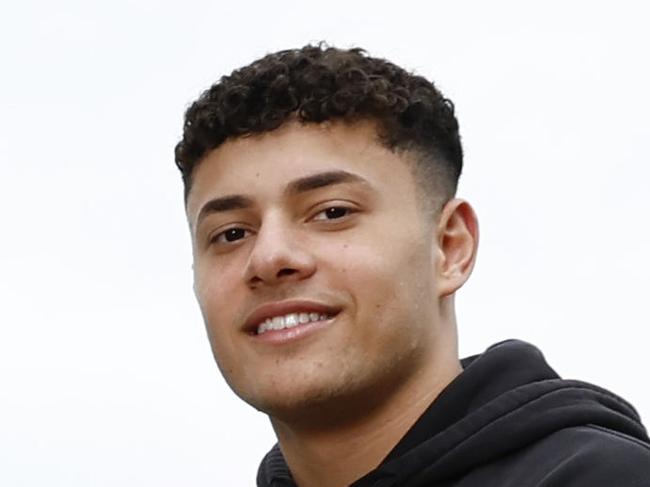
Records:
x=357, y=446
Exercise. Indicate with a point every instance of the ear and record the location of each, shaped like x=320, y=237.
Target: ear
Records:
x=457, y=239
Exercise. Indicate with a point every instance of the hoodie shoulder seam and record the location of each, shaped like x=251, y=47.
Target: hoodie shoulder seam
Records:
x=620, y=435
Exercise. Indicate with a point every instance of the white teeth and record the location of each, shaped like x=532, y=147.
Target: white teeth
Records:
x=289, y=321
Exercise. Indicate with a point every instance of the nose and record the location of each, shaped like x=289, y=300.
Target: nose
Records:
x=279, y=255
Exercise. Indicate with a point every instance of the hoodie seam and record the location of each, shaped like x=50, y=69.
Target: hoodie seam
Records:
x=537, y=398
x=529, y=402
x=620, y=435
x=574, y=385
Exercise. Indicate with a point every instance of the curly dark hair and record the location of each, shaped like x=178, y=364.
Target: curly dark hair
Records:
x=318, y=83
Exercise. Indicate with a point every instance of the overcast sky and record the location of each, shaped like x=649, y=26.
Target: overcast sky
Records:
x=106, y=376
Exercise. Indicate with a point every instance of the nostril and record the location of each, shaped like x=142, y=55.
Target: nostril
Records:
x=286, y=272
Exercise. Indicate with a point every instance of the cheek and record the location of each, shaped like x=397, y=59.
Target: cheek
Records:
x=361, y=269
x=216, y=288
x=218, y=303
x=393, y=289
x=387, y=267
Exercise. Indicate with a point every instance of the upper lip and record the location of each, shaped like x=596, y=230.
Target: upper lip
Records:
x=279, y=308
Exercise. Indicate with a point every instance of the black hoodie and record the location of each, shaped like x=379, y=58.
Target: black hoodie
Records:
x=508, y=420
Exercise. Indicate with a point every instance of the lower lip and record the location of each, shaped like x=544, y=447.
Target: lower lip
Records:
x=289, y=335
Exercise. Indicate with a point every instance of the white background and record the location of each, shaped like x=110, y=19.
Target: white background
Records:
x=106, y=377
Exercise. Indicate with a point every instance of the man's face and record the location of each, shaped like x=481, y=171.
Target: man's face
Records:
x=314, y=265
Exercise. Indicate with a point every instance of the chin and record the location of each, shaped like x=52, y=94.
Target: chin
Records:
x=293, y=400
x=319, y=404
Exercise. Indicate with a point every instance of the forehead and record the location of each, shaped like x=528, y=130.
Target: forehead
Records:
x=261, y=166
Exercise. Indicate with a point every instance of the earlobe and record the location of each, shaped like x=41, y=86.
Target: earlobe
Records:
x=457, y=239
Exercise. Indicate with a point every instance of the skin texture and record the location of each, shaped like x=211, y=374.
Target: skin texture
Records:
x=367, y=248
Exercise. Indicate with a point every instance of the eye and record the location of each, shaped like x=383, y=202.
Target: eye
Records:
x=230, y=235
x=333, y=213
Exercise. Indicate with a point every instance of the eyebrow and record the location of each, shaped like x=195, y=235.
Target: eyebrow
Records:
x=320, y=180
x=295, y=187
x=222, y=204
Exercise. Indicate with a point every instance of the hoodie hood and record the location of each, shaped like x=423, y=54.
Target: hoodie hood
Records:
x=504, y=400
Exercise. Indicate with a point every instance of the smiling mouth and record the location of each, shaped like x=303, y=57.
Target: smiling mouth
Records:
x=291, y=320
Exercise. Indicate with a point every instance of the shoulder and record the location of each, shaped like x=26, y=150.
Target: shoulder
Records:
x=580, y=456
x=594, y=456
x=598, y=441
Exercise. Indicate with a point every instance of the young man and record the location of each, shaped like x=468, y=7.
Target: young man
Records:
x=328, y=245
